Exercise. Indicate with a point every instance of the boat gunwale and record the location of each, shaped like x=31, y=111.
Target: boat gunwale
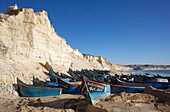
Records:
x=22, y=84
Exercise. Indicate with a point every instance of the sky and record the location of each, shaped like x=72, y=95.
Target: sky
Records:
x=123, y=31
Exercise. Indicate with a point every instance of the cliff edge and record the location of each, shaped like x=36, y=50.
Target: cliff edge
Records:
x=27, y=39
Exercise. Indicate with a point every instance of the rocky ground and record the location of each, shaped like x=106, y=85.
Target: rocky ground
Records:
x=139, y=102
x=27, y=41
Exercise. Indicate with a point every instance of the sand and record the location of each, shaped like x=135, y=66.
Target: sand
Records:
x=150, y=101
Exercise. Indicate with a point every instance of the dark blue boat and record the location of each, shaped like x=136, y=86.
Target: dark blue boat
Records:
x=94, y=91
x=158, y=83
x=127, y=89
x=130, y=83
x=36, y=91
x=68, y=88
x=37, y=82
x=53, y=75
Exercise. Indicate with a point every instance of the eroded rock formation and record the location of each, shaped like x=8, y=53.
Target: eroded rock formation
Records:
x=27, y=38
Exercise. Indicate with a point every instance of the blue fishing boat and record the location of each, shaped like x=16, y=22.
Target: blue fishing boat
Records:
x=68, y=88
x=36, y=91
x=94, y=91
x=130, y=83
x=127, y=87
x=53, y=75
x=37, y=82
x=159, y=83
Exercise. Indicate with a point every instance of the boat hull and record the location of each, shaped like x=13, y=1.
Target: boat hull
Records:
x=70, y=88
x=96, y=96
x=158, y=85
x=54, y=76
x=94, y=91
x=129, y=89
x=73, y=89
x=37, y=91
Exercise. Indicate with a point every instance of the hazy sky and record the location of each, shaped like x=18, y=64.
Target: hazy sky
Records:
x=123, y=31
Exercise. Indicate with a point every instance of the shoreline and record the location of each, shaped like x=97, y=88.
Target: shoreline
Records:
x=141, y=102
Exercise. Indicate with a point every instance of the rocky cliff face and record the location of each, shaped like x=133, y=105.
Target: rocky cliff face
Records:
x=27, y=38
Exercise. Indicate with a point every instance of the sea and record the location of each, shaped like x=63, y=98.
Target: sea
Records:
x=151, y=72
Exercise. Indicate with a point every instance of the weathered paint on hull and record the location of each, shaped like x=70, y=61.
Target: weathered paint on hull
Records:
x=96, y=96
x=73, y=89
x=93, y=95
x=37, y=82
x=158, y=85
x=37, y=91
x=53, y=75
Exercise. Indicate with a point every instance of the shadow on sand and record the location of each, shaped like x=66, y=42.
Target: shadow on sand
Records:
x=78, y=105
x=162, y=95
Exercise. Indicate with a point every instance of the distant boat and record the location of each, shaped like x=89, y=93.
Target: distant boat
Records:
x=127, y=87
x=130, y=83
x=159, y=83
x=94, y=91
x=36, y=91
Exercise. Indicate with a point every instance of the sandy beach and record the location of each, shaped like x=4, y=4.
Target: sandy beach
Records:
x=149, y=101
x=30, y=46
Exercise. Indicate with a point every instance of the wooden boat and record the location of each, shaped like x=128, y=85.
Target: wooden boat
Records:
x=128, y=89
x=158, y=83
x=94, y=91
x=37, y=82
x=36, y=91
x=68, y=88
x=130, y=83
x=53, y=75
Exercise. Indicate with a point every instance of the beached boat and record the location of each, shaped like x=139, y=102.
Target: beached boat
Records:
x=94, y=91
x=120, y=82
x=129, y=89
x=37, y=82
x=36, y=91
x=53, y=75
x=68, y=88
x=159, y=83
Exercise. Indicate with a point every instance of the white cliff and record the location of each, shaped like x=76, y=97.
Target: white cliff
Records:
x=27, y=39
